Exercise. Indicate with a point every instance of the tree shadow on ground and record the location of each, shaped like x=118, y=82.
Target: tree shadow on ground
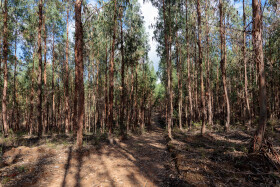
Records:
x=18, y=173
x=218, y=159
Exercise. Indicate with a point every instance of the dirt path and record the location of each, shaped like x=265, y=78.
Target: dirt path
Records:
x=138, y=161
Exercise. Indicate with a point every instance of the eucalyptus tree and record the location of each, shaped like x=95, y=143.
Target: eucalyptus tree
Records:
x=259, y=61
x=5, y=75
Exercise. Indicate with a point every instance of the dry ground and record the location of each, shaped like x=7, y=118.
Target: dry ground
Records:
x=220, y=159
x=216, y=159
x=138, y=161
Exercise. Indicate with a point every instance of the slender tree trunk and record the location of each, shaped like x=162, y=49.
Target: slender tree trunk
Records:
x=169, y=96
x=5, y=54
x=203, y=126
x=245, y=66
x=106, y=87
x=79, y=71
x=179, y=75
x=111, y=76
x=45, y=121
x=40, y=68
x=223, y=64
x=66, y=76
x=209, y=90
x=258, y=50
x=123, y=90
x=188, y=66
x=14, y=122
x=30, y=121
x=53, y=88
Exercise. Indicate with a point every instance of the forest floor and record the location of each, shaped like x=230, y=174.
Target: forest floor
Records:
x=138, y=161
x=222, y=159
x=151, y=159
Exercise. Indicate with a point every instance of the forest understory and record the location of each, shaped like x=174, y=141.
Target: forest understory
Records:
x=151, y=159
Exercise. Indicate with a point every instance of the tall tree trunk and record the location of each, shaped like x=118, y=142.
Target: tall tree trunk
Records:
x=179, y=74
x=223, y=64
x=106, y=87
x=45, y=121
x=111, y=76
x=245, y=66
x=66, y=76
x=14, y=122
x=209, y=90
x=53, y=120
x=169, y=96
x=123, y=90
x=79, y=71
x=203, y=126
x=40, y=68
x=258, y=50
x=5, y=54
x=188, y=66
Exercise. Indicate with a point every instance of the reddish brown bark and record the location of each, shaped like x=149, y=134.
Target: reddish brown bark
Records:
x=258, y=58
x=40, y=67
x=66, y=76
x=79, y=71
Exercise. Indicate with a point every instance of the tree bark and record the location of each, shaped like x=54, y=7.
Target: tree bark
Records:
x=245, y=66
x=189, y=74
x=5, y=54
x=179, y=75
x=66, y=76
x=45, y=121
x=111, y=75
x=123, y=90
x=209, y=90
x=53, y=120
x=40, y=68
x=79, y=71
x=169, y=96
x=203, y=126
x=223, y=64
x=258, y=58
